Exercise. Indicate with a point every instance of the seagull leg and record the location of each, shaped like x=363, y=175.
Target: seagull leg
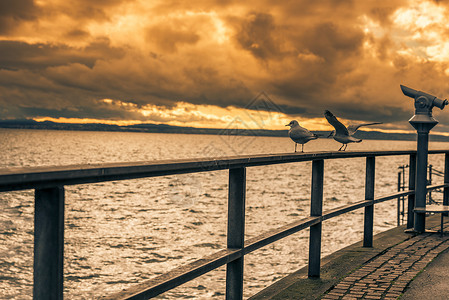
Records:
x=302, y=149
x=346, y=146
x=295, y=147
x=341, y=147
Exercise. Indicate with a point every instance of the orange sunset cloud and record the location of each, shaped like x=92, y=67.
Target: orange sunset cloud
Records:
x=201, y=63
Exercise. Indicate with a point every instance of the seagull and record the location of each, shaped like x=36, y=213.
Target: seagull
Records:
x=341, y=133
x=299, y=134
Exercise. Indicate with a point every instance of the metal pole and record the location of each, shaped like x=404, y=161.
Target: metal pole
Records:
x=430, y=183
x=399, y=200
x=423, y=122
x=403, y=198
x=369, y=195
x=316, y=209
x=446, y=181
x=48, y=243
x=421, y=176
x=411, y=187
x=236, y=231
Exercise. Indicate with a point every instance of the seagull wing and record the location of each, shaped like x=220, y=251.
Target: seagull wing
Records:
x=340, y=129
x=299, y=132
x=353, y=128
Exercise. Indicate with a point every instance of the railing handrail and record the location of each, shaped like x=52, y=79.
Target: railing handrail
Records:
x=21, y=178
x=49, y=183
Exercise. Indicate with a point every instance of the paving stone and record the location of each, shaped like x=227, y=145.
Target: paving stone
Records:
x=372, y=297
x=334, y=294
x=396, y=290
x=352, y=296
x=344, y=284
x=339, y=292
x=394, y=294
x=356, y=294
x=359, y=284
x=387, y=276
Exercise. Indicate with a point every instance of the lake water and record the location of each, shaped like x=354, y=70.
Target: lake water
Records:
x=120, y=233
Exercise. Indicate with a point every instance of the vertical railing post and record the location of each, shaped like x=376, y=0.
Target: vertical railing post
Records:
x=316, y=209
x=403, y=198
x=399, y=200
x=48, y=243
x=446, y=180
x=429, y=182
x=369, y=195
x=411, y=187
x=236, y=231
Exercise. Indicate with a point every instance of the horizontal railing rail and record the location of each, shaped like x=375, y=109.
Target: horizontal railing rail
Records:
x=49, y=182
x=42, y=177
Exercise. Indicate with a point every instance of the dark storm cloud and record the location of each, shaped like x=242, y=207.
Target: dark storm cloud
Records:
x=36, y=78
x=309, y=57
x=77, y=34
x=85, y=10
x=256, y=34
x=39, y=83
x=93, y=112
x=168, y=37
x=333, y=51
x=13, y=12
x=366, y=113
x=335, y=44
x=21, y=55
x=209, y=85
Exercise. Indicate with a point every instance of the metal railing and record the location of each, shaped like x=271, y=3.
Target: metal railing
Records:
x=402, y=186
x=49, y=182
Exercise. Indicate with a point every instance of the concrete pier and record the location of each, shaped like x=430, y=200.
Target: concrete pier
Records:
x=396, y=266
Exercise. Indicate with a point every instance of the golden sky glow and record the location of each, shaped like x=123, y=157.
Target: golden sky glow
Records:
x=203, y=63
x=207, y=116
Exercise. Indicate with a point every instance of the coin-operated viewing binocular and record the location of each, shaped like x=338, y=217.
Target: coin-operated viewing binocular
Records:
x=423, y=105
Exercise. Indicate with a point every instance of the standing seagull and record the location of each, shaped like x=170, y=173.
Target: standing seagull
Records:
x=299, y=134
x=341, y=133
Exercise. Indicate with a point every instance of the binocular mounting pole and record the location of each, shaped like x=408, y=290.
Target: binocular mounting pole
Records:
x=423, y=122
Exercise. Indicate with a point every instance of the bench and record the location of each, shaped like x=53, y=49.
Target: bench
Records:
x=437, y=209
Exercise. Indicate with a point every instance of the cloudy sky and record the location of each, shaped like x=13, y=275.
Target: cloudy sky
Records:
x=203, y=63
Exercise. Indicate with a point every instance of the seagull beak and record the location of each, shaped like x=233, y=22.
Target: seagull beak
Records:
x=287, y=125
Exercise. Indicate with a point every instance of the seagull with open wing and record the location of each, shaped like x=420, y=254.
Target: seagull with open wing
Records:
x=341, y=133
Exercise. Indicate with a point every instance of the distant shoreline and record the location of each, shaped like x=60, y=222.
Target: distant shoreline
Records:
x=161, y=128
